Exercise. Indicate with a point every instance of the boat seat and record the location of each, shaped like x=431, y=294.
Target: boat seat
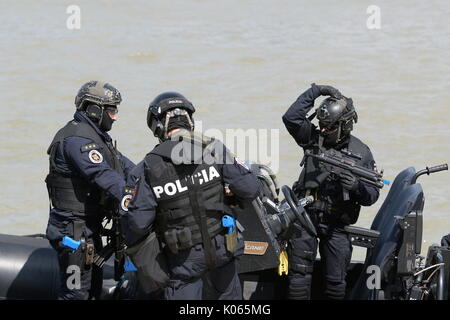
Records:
x=402, y=180
x=409, y=199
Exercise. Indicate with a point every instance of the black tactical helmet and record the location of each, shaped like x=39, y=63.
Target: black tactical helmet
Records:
x=97, y=92
x=337, y=114
x=158, y=113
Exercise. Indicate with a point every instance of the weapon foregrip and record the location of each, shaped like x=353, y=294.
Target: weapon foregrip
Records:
x=377, y=183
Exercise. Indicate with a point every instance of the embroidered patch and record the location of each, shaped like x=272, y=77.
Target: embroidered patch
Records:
x=126, y=201
x=89, y=146
x=95, y=156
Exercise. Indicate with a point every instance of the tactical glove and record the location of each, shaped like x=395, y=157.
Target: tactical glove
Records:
x=349, y=181
x=329, y=91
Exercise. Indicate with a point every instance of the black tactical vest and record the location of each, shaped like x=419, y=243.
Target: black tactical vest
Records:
x=326, y=191
x=68, y=190
x=190, y=197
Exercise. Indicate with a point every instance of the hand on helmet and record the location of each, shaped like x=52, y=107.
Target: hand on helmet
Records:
x=329, y=91
x=349, y=181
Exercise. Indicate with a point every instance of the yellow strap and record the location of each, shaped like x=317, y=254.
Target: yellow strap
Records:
x=283, y=266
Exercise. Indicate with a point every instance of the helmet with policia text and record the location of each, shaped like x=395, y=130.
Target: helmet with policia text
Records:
x=336, y=118
x=169, y=110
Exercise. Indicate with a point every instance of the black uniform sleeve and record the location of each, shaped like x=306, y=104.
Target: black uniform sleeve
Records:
x=128, y=165
x=138, y=215
x=243, y=183
x=296, y=121
x=368, y=194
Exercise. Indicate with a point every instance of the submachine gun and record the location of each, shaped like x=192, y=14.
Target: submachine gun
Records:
x=335, y=162
x=115, y=245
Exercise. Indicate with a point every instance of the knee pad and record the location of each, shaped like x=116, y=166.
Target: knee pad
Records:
x=300, y=287
x=335, y=290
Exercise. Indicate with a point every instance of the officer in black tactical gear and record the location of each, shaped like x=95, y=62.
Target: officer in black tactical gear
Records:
x=330, y=212
x=85, y=183
x=179, y=191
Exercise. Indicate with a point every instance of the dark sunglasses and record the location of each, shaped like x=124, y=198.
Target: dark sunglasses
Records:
x=112, y=110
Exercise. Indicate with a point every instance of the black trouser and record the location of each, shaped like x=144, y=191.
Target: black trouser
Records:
x=189, y=273
x=335, y=252
x=78, y=281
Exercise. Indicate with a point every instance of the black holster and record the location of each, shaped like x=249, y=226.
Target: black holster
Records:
x=151, y=264
x=84, y=255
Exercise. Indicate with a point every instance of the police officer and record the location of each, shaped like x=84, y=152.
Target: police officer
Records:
x=179, y=191
x=331, y=212
x=86, y=182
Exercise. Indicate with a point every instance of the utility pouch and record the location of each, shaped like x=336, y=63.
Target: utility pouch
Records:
x=171, y=240
x=185, y=238
x=151, y=264
x=76, y=252
x=231, y=240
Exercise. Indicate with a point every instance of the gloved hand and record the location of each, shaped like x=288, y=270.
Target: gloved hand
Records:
x=349, y=181
x=329, y=91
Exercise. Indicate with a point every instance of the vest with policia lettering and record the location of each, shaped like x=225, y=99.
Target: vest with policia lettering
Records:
x=68, y=190
x=190, y=195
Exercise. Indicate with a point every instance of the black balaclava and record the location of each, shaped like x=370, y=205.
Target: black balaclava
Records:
x=330, y=140
x=179, y=121
x=106, y=121
x=335, y=139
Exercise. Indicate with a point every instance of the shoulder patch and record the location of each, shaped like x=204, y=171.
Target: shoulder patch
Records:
x=125, y=202
x=95, y=156
x=129, y=195
x=89, y=146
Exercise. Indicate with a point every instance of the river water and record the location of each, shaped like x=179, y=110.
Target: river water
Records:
x=242, y=63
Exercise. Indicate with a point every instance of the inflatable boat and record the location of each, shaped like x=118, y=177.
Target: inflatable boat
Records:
x=393, y=268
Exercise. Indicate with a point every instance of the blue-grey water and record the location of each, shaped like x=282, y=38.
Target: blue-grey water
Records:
x=242, y=63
